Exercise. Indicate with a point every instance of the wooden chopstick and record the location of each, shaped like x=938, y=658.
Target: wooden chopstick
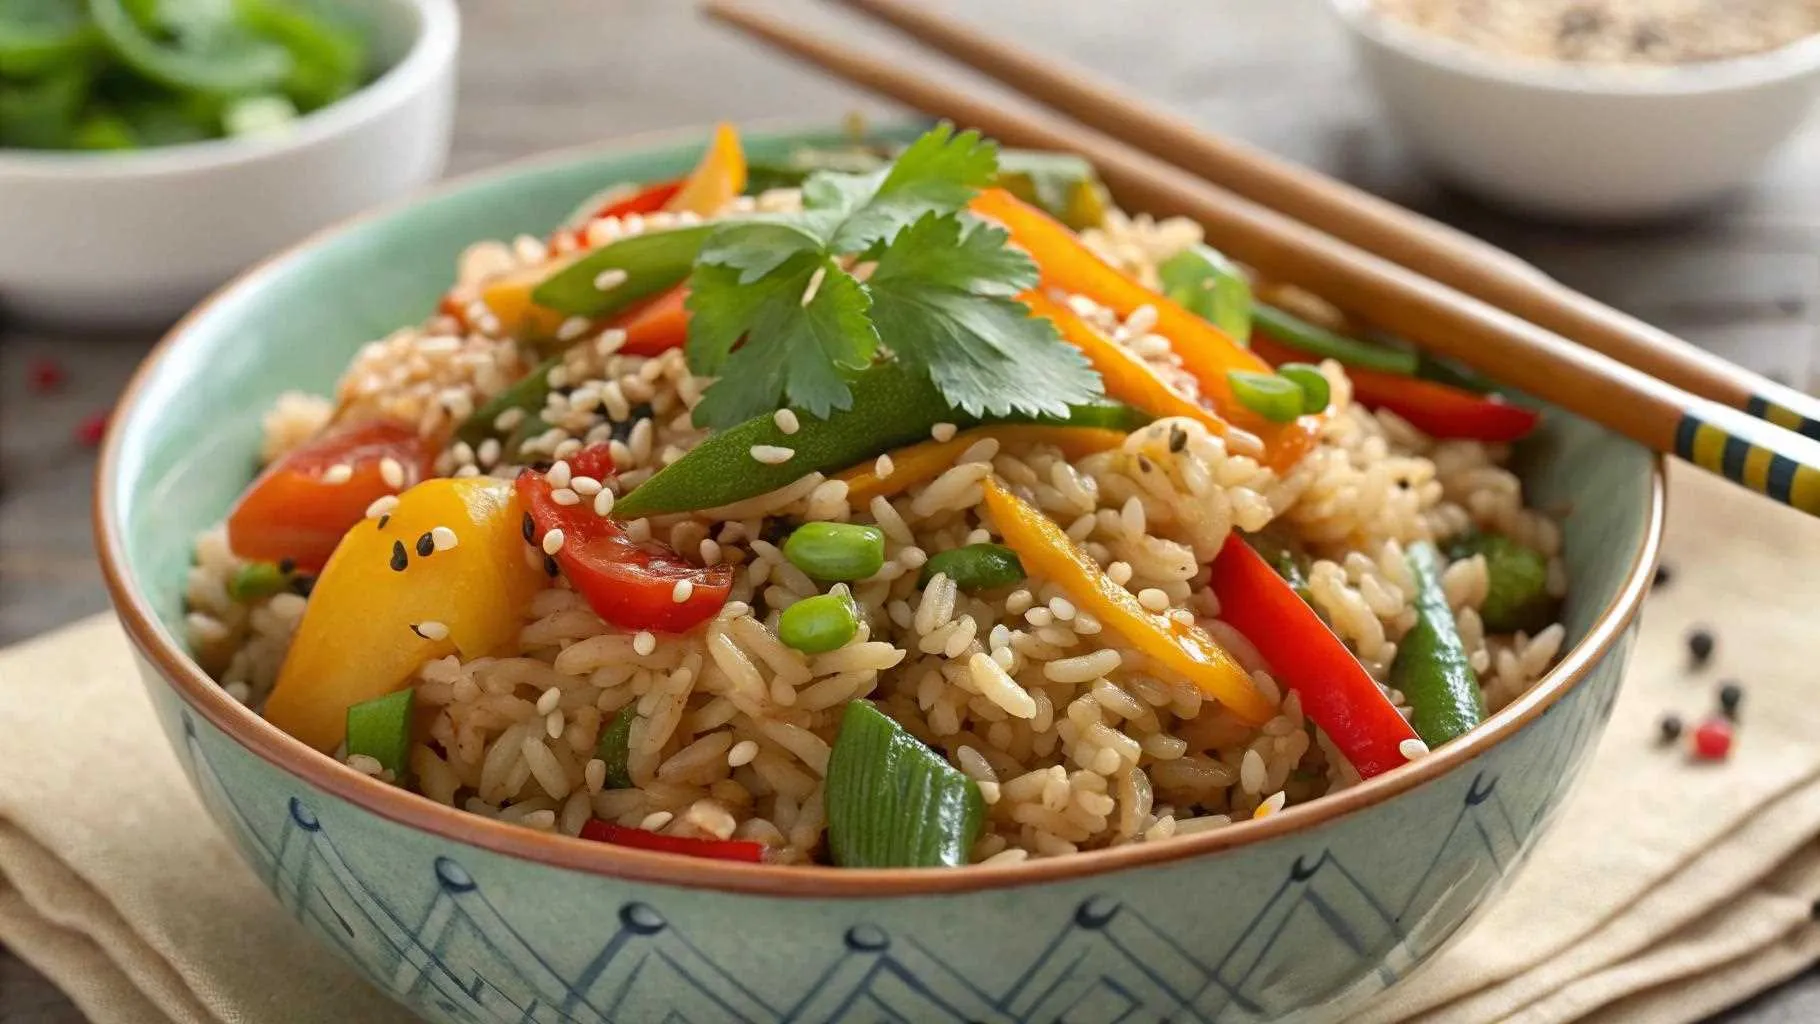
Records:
x=1352, y=215
x=1769, y=460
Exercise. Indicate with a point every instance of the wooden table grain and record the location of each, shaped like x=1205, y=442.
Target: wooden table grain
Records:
x=1742, y=279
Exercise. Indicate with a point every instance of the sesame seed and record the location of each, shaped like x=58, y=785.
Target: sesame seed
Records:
x=558, y=377
x=1153, y=599
x=742, y=753
x=609, y=279
x=603, y=504
x=444, y=538
x=400, y=560
x=884, y=467
x=943, y=431
x=426, y=545
x=392, y=473
x=552, y=541
x=710, y=551
x=564, y=496
x=1276, y=801
x=644, y=643
x=586, y=486
x=431, y=630
x=683, y=590
x=1412, y=749
x=786, y=420
x=469, y=470
x=815, y=284
x=509, y=419
x=489, y=451
x=558, y=474
x=572, y=328
x=462, y=452
x=382, y=506
x=772, y=455
x=340, y=473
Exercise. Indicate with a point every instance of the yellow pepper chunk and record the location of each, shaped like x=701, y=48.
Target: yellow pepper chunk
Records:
x=370, y=624
x=921, y=463
x=1187, y=650
x=719, y=176
x=508, y=297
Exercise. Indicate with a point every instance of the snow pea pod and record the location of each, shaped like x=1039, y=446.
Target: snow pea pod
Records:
x=1431, y=668
x=225, y=57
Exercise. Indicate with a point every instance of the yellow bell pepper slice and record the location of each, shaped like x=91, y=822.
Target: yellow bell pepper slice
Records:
x=370, y=625
x=1187, y=650
x=1208, y=353
x=921, y=463
x=508, y=297
x=719, y=176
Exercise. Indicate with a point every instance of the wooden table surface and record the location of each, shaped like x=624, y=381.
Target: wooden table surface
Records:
x=1743, y=279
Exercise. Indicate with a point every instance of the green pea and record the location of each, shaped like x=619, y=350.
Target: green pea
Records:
x=255, y=580
x=817, y=624
x=1316, y=392
x=975, y=567
x=836, y=551
x=1270, y=396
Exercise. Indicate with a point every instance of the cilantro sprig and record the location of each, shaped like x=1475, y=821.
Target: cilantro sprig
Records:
x=779, y=317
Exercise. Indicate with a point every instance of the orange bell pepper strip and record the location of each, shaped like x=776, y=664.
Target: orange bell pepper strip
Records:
x=657, y=325
x=719, y=176
x=1186, y=650
x=1208, y=353
x=923, y=462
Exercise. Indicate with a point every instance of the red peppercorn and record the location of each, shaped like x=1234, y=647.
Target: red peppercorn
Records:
x=45, y=375
x=1713, y=740
x=92, y=429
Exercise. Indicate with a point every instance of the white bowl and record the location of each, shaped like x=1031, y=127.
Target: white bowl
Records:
x=1582, y=142
x=136, y=238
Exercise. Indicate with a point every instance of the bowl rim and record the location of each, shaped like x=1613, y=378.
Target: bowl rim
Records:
x=264, y=740
x=432, y=49
x=1792, y=60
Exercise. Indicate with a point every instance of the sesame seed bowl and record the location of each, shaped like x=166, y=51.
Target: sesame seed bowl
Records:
x=134, y=237
x=1304, y=913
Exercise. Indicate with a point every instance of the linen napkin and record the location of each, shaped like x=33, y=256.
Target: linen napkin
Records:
x=1666, y=890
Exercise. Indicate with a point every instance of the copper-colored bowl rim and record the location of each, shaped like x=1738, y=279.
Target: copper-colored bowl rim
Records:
x=266, y=742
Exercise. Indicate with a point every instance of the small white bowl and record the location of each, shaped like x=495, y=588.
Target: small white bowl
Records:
x=1584, y=142
x=136, y=238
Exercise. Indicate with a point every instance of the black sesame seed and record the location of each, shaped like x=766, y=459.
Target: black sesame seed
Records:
x=529, y=529
x=1814, y=911
x=287, y=565
x=550, y=567
x=1700, y=645
x=426, y=546
x=1670, y=727
x=1730, y=696
x=400, y=560
x=1145, y=464
x=383, y=520
x=419, y=632
x=303, y=585
x=1178, y=439
x=542, y=466
x=776, y=528
x=1664, y=574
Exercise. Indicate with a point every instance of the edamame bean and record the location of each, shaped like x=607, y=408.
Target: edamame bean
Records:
x=836, y=551
x=818, y=624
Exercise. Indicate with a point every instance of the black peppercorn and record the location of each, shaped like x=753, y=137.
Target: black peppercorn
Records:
x=1730, y=696
x=1670, y=727
x=1700, y=645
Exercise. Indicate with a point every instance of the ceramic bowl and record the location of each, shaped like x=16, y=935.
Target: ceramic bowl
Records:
x=467, y=919
x=134, y=239
x=1584, y=143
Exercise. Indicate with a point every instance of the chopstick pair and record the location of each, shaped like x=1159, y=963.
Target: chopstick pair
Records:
x=1448, y=292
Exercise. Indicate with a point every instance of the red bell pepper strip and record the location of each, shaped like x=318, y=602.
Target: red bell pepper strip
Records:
x=648, y=199
x=629, y=584
x=658, y=325
x=1438, y=410
x=1337, y=693
x=1207, y=353
x=303, y=504
x=713, y=849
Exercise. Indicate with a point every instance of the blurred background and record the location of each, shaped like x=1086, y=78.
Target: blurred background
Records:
x=1740, y=277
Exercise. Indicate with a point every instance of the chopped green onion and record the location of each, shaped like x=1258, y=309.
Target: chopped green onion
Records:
x=1316, y=392
x=818, y=624
x=1210, y=286
x=836, y=551
x=1324, y=344
x=256, y=580
x=894, y=803
x=1270, y=396
x=615, y=743
x=975, y=567
x=381, y=729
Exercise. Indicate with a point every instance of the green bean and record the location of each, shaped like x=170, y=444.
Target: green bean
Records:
x=975, y=567
x=614, y=747
x=1517, y=597
x=836, y=551
x=1322, y=343
x=1431, y=668
x=818, y=624
x=1270, y=396
x=381, y=729
x=1316, y=392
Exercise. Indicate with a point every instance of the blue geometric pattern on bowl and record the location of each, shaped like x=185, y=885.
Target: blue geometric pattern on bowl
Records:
x=1097, y=954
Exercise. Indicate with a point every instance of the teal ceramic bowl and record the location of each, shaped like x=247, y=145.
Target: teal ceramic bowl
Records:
x=1299, y=916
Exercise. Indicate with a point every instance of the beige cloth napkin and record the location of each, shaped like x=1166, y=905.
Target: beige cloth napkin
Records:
x=1666, y=890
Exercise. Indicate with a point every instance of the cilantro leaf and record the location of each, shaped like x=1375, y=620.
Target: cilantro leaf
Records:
x=756, y=250
x=943, y=299
x=938, y=173
x=806, y=352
